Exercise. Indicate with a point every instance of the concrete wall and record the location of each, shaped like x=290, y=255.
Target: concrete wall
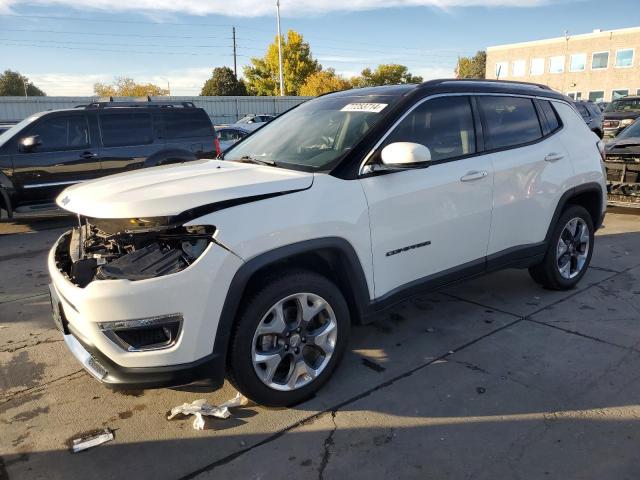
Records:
x=583, y=82
x=220, y=109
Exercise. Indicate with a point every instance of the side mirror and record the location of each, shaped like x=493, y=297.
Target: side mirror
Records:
x=29, y=144
x=405, y=155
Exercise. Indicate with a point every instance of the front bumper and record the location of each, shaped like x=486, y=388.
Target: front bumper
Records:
x=197, y=293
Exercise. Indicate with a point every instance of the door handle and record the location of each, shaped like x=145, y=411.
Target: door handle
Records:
x=553, y=157
x=88, y=155
x=473, y=175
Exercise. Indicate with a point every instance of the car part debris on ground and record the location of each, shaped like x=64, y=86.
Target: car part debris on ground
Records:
x=93, y=440
x=202, y=407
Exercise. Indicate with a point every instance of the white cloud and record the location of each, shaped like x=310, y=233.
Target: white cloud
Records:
x=184, y=82
x=257, y=8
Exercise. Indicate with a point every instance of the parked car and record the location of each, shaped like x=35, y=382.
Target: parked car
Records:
x=619, y=114
x=51, y=150
x=230, y=135
x=254, y=266
x=256, y=119
x=602, y=105
x=592, y=115
x=622, y=162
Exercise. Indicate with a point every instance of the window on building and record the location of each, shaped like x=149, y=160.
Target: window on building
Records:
x=556, y=64
x=510, y=121
x=624, y=58
x=599, y=60
x=537, y=66
x=578, y=62
x=502, y=69
x=518, y=68
x=444, y=125
x=615, y=94
x=597, y=96
x=575, y=95
x=638, y=91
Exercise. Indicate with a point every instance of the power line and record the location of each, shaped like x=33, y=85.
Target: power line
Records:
x=115, y=44
x=99, y=34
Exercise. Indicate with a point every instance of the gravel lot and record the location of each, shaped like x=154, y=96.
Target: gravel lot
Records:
x=494, y=378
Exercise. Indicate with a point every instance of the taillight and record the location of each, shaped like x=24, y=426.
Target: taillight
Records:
x=601, y=149
x=216, y=143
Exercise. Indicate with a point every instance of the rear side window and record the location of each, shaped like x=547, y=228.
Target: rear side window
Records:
x=509, y=121
x=550, y=114
x=444, y=125
x=582, y=110
x=62, y=132
x=126, y=129
x=186, y=123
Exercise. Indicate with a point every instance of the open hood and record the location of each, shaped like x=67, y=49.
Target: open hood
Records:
x=172, y=189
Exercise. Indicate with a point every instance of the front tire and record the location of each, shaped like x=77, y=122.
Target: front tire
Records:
x=288, y=339
x=569, y=251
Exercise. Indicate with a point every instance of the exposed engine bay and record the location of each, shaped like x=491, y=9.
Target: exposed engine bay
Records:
x=131, y=249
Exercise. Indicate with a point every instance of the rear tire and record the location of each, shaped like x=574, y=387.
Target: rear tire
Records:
x=288, y=339
x=569, y=251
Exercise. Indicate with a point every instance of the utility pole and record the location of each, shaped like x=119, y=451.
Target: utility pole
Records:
x=24, y=83
x=168, y=88
x=279, y=49
x=235, y=62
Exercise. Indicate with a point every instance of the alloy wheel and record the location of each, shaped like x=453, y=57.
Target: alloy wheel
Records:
x=294, y=341
x=573, y=248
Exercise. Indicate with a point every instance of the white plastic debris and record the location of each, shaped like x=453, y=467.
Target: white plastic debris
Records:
x=84, y=443
x=200, y=407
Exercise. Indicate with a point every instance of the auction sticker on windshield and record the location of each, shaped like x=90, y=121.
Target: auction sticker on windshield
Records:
x=364, y=107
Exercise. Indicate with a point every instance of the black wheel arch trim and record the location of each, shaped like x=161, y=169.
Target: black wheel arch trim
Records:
x=232, y=303
x=564, y=200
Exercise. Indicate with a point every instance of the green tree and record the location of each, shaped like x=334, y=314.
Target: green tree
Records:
x=472, y=67
x=12, y=84
x=324, y=81
x=223, y=82
x=385, y=74
x=262, y=75
x=127, y=87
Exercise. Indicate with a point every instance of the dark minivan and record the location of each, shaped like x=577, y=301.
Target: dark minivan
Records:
x=51, y=150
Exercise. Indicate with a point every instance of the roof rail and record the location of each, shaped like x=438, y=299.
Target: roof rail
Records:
x=148, y=103
x=431, y=83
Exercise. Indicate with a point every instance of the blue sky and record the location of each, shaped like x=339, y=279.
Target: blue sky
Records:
x=65, y=46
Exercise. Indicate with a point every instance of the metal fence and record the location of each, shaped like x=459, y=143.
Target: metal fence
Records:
x=220, y=109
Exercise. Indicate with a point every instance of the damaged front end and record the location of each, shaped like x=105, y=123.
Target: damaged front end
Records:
x=130, y=249
x=623, y=179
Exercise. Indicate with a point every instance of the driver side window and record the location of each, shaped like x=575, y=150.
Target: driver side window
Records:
x=444, y=125
x=62, y=132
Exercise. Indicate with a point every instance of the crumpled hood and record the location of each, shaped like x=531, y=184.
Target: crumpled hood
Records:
x=172, y=189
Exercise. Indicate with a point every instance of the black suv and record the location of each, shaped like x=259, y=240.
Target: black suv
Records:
x=48, y=151
x=619, y=114
x=592, y=116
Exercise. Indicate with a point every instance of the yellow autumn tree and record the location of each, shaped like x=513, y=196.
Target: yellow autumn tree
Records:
x=322, y=82
x=127, y=87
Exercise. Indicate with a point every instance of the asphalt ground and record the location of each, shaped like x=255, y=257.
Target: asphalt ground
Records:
x=493, y=378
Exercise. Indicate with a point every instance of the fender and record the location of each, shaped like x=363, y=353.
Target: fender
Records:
x=165, y=157
x=587, y=187
x=352, y=269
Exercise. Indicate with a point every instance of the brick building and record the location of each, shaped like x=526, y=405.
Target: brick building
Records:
x=598, y=66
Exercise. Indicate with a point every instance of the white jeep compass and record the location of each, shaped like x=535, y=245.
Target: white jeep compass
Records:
x=253, y=266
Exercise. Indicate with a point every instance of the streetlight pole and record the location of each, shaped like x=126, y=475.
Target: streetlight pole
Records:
x=279, y=49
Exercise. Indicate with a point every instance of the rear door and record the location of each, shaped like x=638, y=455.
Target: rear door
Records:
x=128, y=139
x=66, y=155
x=431, y=223
x=189, y=129
x=531, y=168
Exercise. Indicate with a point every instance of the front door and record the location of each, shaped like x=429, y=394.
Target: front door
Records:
x=433, y=221
x=64, y=156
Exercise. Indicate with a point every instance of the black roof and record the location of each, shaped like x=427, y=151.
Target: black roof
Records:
x=449, y=85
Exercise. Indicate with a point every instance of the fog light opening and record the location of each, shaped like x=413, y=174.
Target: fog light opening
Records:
x=144, y=334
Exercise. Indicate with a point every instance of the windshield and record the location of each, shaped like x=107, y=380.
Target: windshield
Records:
x=315, y=135
x=246, y=119
x=623, y=105
x=631, y=131
x=16, y=128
